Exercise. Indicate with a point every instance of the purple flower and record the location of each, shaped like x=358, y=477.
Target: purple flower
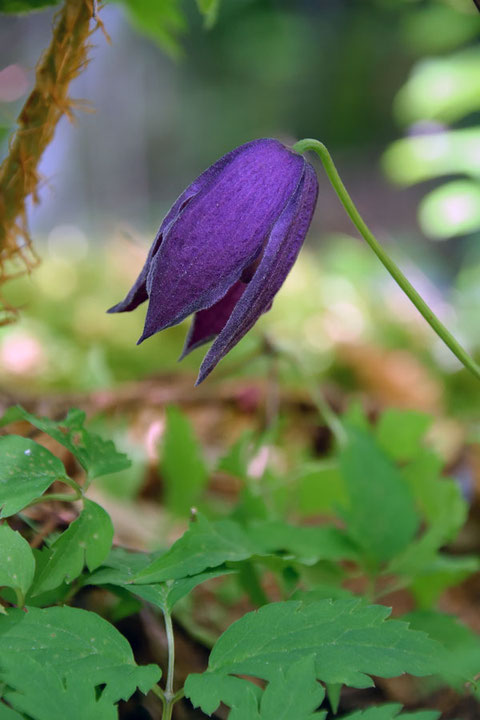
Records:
x=226, y=246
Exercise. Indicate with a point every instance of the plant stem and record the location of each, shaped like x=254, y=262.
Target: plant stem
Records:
x=169, y=695
x=393, y=269
x=61, y=497
x=63, y=60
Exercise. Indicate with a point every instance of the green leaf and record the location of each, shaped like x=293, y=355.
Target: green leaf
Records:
x=376, y=489
x=445, y=571
x=23, y=6
x=392, y=711
x=26, y=471
x=444, y=511
x=95, y=455
x=86, y=542
x=294, y=693
x=461, y=662
x=209, y=9
x=236, y=459
x=321, y=488
x=183, y=467
x=7, y=713
x=204, y=545
x=163, y=22
x=39, y=690
x=208, y=690
x=307, y=545
x=399, y=432
x=17, y=564
x=348, y=641
x=77, y=642
x=121, y=567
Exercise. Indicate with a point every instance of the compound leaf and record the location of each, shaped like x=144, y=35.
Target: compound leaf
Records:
x=39, y=690
x=95, y=455
x=348, y=641
x=76, y=642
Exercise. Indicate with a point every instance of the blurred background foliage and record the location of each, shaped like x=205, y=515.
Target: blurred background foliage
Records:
x=184, y=82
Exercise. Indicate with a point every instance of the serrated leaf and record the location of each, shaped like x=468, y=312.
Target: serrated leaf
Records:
x=124, y=566
x=376, y=489
x=391, y=711
x=26, y=471
x=294, y=693
x=17, y=564
x=183, y=467
x=86, y=542
x=75, y=641
x=400, y=432
x=95, y=455
x=348, y=640
x=461, y=662
x=39, y=690
x=208, y=690
x=204, y=545
x=23, y=6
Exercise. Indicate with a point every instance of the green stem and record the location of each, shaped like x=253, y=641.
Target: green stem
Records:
x=169, y=695
x=318, y=147
x=61, y=497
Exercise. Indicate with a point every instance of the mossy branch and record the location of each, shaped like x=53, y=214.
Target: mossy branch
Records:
x=19, y=178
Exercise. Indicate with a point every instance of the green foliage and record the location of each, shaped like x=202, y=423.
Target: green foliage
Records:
x=87, y=541
x=40, y=691
x=204, y=545
x=183, y=468
x=294, y=693
x=163, y=22
x=306, y=647
x=26, y=471
x=95, y=455
x=120, y=570
x=17, y=564
x=73, y=643
x=24, y=6
x=346, y=640
x=462, y=658
x=376, y=489
x=441, y=90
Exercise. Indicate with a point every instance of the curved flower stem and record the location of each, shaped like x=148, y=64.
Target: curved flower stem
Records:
x=318, y=147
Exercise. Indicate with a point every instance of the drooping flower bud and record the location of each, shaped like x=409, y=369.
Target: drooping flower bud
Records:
x=226, y=246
